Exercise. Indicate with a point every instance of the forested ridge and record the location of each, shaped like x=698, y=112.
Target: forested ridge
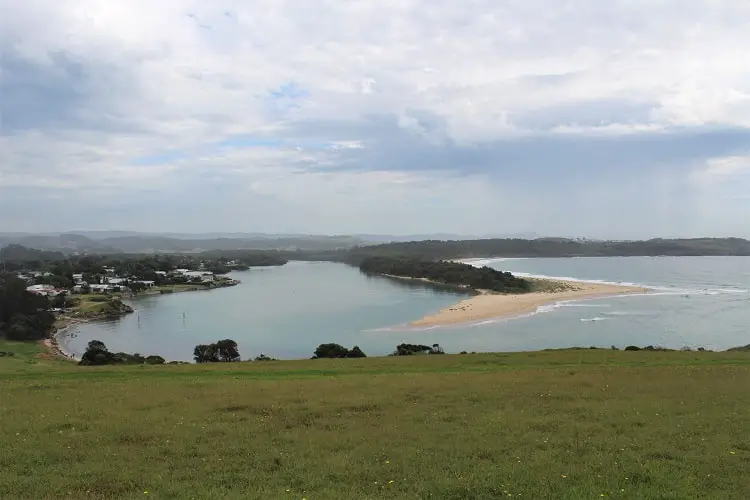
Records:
x=549, y=247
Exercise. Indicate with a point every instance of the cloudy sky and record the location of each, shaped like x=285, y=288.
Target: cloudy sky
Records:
x=624, y=118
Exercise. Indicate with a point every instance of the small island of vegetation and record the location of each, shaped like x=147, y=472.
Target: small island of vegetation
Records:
x=447, y=273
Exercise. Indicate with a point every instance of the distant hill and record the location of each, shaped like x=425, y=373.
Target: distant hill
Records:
x=19, y=253
x=112, y=242
x=354, y=247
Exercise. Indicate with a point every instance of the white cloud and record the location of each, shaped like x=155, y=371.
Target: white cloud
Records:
x=729, y=168
x=387, y=103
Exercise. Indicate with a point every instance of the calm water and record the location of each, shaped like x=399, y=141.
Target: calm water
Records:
x=286, y=312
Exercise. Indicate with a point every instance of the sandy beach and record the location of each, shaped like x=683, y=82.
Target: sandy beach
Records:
x=487, y=305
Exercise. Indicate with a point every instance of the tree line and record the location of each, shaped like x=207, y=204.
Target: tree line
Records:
x=547, y=247
x=449, y=273
x=19, y=258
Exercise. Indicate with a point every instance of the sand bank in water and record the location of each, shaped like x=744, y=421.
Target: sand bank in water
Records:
x=489, y=305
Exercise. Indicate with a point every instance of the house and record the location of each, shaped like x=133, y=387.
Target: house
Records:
x=101, y=288
x=116, y=281
x=204, y=276
x=45, y=290
x=28, y=278
x=78, y=278
x=148, y=283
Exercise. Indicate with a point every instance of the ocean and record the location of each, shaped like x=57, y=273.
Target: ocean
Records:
x=285, y=312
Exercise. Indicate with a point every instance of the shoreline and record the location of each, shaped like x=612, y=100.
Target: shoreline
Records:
x=65, y=323
x=488, y=305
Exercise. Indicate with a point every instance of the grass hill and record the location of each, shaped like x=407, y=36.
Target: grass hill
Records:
x=568, y=424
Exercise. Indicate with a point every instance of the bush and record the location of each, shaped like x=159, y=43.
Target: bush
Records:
x=436, y=349
x=356, y=352
x=206, y=353
x=632, y=348
x=263, y=357
x=330, y=351
x=411, y=349
x=97, y=354
x=222, y=351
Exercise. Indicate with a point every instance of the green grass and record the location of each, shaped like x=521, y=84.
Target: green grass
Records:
x=553, y=424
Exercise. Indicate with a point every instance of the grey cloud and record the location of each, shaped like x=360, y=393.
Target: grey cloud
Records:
x=37, y=95
x=557, y=155
x=62, y=93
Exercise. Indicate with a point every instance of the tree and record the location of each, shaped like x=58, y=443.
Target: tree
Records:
x=227, y=351
x=23, y=315
x=206, y=353
x=330, y=351
x=222, y=351
x=436, y=349
x=263, y=357
x=356, y=352
x=136, y=287
x=411, y=349
x=97, y=354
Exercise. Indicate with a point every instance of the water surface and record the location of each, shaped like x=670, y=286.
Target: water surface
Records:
x=287, y=311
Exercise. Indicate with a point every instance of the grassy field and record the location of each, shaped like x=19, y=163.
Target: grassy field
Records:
x=569, y=424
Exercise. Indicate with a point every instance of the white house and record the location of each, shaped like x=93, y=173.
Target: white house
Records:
x=203, y=275
x=46, y=290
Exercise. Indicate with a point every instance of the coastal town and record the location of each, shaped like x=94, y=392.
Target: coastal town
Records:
x=109, y=281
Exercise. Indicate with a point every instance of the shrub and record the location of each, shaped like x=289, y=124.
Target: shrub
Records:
x=632, y=348
x=97, y=354
x=263, y=357
x=206, y=353
x=222, y=351
x=155, y=360
x=436, y=349
x=356, y=352
x=411, y=349
x=330, y=351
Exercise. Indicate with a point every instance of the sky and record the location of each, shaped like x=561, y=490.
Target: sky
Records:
x=581, y=118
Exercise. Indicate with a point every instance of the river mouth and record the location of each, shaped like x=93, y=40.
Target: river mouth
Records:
x=286, y=312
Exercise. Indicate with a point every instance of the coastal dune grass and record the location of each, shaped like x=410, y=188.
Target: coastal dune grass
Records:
x=565, y=424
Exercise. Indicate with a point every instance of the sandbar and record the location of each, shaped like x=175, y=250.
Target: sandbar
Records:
x=488, y=305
